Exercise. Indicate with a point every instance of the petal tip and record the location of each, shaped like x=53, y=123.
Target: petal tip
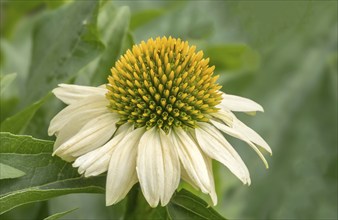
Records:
x=109, y=203
x=267, y=166
x=164, y=203
x=260, y=108
x=50, y=132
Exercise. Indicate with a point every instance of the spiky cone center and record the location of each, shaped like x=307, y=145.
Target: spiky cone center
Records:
x=163, y=83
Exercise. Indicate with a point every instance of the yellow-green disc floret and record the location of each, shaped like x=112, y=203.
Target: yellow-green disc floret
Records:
x=163, y=83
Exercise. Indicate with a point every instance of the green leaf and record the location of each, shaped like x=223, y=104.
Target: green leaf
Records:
x=90, y=206
x=140, y=18
x=46, y=176
x=5, y=81
x=114, y=28
x=35, y=210
x=8, y=172
x=65, y=40
x=59, y=215
x=185, y=205
x=17, y=123
x=137, y=208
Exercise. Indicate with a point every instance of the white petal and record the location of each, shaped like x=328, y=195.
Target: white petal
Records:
x=70, y=120
x=217, y=147
x=157, y=167
x=186, y=178
x=239, y=104
x=72, y=93
x=191, y=159
x=224, y=115
x=69, y=130
x=212, y=194
x=113, y=197
x=235, y=133
x=231, y=120
x=149, y=167
x=80, y=112
x=122, y=167
x=93, y=135
x=251, y=135
x=171, y=165
x=96, y=162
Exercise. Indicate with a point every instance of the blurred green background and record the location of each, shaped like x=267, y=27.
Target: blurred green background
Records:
x=282, y=54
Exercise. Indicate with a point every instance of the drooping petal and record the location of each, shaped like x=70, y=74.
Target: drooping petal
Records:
x=72, y=93
x=191, y=159
x=66, y=133
x=96, y=162
x=73, y=126
x=239, y=104
x=233, y=132
x=93, y=135
x=150, y=170
x=225, y=115
x=212, y=193
x=80, y=113
x=240, y=127
x=187, y=179
x=171, y=165
x=217, y=147
x=122, y=167
x=251, y=135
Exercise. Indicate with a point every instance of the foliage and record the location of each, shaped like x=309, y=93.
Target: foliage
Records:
x=283, y=54
x=46, y=176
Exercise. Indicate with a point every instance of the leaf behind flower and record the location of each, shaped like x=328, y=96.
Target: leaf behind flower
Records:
x=46, y=176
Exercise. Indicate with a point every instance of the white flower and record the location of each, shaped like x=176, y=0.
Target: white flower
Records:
x=159, y=119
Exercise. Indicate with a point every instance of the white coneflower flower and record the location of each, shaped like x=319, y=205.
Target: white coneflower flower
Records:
x=159, y=119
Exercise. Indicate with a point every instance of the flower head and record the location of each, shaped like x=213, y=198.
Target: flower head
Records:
x=163, y=83
x=159, y=119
